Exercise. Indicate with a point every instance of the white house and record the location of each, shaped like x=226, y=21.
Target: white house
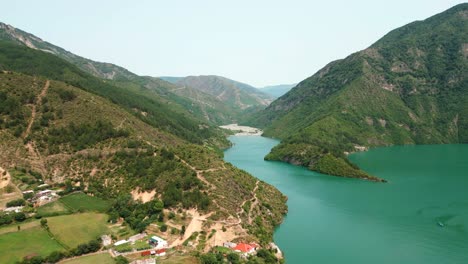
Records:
x=158, y=242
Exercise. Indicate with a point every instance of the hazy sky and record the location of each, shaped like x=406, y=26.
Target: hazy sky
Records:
x=257, y=42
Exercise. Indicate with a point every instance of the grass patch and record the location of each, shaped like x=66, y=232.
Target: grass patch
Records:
x=34, y=241
x=99, y=258
x=179, y=260
x=24, y=226
x=76, y=229
x=52, y=208
x=83, y=202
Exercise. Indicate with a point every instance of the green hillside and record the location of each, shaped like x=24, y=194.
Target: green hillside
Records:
x=195, y=103
x=68, y=128
x=144, y=104
x=410, y=87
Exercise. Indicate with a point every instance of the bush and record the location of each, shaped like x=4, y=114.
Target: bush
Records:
x=20, y=217
x=17, y=202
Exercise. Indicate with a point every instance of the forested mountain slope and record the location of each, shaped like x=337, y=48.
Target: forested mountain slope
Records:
x=59, y=124
x=197, y=104
x=410, y=87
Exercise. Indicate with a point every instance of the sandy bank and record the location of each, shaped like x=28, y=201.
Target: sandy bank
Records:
x=243, y=130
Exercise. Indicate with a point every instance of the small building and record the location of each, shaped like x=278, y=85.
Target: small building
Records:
x=106, y=240
x=229, y=244
x=158, y=242
x=29, y=191
x=146, y=253
x=121, y=242
x=246, y=249
x=15, y=209
x=43, y=193
x=160, y=252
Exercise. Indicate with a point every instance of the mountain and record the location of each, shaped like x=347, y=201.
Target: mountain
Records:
x=235, y=94
x=410, y=87
x=170, y=79
x=277, y=90
x=198, y=105
x=65, y=127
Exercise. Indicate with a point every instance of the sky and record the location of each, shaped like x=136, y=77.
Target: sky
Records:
x=259, y=42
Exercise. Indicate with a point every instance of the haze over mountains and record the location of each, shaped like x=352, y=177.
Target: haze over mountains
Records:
x=277, y=90
x=410, y=87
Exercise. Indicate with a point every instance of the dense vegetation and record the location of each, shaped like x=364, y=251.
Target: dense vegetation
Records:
x=410, y=87
x=108, y=140
x=149, y=107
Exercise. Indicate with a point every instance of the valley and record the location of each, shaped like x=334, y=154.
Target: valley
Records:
x=99, y=164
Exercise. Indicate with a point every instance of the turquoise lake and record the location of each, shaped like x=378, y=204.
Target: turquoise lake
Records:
x=339, y=220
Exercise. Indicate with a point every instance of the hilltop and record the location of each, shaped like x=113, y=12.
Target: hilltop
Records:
x=410, y=87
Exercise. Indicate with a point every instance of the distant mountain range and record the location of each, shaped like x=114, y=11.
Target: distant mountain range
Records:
x=277, y=90
x=410, y=87
x=234, y=93
x=215, y=99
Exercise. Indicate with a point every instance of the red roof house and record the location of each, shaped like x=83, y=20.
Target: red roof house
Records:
x=245, y=248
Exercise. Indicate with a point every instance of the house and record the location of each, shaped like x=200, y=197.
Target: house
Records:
x=161, y=252
x=106, y=240
x=146, y=253
x=245, y=249
x=229, y=244
x=15, y=209
x=43, y=193
x=158, y=242
x=120, y=242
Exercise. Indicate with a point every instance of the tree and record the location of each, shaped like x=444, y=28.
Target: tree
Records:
x=233, y=258
x=121, y=260
x=182, y=231
x=44, y=222
x=20, y=217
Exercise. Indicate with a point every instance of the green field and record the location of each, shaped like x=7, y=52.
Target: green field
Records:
x=33, y=241
x=76, y=229
x=83, y=202
x=99, y=258
x=52, y=208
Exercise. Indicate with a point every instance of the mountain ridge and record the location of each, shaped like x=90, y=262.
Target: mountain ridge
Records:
x=407, y=88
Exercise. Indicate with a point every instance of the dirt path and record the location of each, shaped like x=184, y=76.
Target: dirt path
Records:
x=196, y=225
x=34, y=107
x=252, y=206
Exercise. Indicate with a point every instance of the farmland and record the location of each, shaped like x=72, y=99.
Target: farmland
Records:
x=14, y=246
x=76, y=229
x=83, y=202
x=96, y=258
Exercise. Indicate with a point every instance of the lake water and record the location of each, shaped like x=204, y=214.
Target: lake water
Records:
x=338, y=220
